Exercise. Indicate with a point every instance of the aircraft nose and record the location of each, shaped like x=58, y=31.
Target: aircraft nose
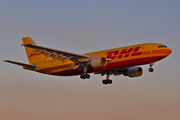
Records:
x=168, y=51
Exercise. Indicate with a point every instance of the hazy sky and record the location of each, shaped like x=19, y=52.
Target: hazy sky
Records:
x=81, y=26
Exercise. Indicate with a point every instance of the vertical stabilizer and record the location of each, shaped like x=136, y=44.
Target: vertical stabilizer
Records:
x=32, y=57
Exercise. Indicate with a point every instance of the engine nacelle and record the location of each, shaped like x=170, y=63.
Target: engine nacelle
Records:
x=98, y=62
x=133, y=72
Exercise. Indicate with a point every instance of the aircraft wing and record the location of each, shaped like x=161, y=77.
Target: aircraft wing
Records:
x=58, y=54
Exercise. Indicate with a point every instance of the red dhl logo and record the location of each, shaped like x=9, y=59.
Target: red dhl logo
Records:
x=124, y=53
x=33, y=54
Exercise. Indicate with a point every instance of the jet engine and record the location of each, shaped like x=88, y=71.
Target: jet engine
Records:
x=98, y=62
x=133, y=72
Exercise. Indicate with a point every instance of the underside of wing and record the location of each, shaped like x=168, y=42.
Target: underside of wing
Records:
x=114, y=72
x=128, y=71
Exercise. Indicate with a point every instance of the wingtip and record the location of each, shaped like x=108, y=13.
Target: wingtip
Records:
x=5, y=60
x=22, y=44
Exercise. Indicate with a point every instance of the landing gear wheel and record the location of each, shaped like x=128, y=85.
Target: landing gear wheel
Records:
x=84, y=76
x=105, y=82
x=87, y=76
x=151, y=69
x=108, y=81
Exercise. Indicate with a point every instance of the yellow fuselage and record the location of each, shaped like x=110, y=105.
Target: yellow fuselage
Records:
x=120, y=57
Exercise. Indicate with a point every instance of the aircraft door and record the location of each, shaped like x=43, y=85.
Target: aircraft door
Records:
x=147, y=50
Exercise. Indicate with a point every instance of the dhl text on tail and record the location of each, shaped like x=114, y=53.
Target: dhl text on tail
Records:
x=116, y=61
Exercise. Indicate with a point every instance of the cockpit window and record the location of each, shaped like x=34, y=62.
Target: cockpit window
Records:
x=161, y=46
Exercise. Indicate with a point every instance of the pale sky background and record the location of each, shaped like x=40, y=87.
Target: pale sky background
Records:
x=81, y=26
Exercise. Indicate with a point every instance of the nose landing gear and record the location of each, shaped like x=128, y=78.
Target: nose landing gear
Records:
x=151, y=65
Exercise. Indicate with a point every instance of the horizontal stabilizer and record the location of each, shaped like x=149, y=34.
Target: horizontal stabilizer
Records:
x=21, y=64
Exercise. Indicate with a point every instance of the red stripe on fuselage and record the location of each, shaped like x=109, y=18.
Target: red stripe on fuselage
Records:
x=161, y=51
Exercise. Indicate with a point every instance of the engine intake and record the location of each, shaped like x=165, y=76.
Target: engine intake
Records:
x=98, y=62
x=134, y=72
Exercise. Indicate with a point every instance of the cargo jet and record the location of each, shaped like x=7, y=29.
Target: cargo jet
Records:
x=116, y=61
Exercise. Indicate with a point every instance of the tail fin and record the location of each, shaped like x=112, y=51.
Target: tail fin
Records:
x=32, y=57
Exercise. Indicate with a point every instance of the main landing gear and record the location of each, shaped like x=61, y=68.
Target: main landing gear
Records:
x=151, y=65
x=85, y=75
x=107, y=80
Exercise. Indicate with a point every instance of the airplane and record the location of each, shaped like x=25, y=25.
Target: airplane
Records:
x=117, y=61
